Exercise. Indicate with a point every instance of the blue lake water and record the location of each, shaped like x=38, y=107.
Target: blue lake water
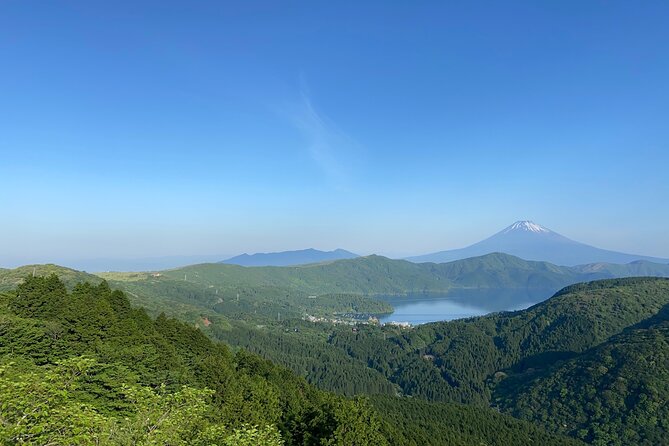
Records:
x=458, y=304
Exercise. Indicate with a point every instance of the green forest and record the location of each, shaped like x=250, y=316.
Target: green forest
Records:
x=374, y=275
x=147, y=358
x=83, y=366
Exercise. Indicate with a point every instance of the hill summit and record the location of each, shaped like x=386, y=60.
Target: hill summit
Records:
x=531, y=241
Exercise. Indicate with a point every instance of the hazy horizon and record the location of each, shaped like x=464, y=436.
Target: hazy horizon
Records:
x=137, y=130
x=147, y=263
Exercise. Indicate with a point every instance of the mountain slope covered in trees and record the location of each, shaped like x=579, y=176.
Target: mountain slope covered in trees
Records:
x=85, y=367
x=588, y=362
x=125, y=365
x=374, y=275
x=459, y=360
x=615, y=393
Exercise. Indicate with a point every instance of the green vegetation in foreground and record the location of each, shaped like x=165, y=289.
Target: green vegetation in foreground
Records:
x=589, y=362
x=247, y=317
x=86, y=368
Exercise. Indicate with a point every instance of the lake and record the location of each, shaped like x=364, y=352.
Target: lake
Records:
x=457, y=304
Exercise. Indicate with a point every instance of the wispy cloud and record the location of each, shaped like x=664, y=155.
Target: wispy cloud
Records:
x=333, y=151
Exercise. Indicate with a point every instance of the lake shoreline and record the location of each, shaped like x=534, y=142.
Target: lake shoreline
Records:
x=422, y=308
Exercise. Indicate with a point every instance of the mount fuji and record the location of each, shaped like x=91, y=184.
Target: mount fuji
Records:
x=531, y=241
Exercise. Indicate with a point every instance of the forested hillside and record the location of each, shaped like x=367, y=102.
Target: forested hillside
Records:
x=303, y=347
x=380, y=275
x=412, y=421
x=519, y=362
x=614, y=394
x=11, y=278
x=364, y=275
x=590, y=362
x=458, y=360
x=341, y=286
x=121, y=377
x=85, y=367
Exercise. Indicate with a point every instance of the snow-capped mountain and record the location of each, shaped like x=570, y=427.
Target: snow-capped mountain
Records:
x=530, y=241
x=525, y=225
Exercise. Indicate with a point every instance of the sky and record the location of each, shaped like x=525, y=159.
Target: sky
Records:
x=159, y=128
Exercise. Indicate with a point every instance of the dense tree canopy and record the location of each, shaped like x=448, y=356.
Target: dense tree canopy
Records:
x=119, y=376
x=590, y=362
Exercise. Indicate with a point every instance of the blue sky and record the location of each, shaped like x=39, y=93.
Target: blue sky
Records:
x=141, y=129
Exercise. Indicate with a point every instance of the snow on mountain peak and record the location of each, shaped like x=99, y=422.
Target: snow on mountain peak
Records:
x=526, y=225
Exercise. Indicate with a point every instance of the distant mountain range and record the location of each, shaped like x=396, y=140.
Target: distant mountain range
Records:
x=290, y=258
x=524, y=239
x=380, y=275
x=531, y=241
x=364, y=275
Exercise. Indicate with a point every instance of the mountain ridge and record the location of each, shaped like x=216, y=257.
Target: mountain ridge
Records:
x=289, y=258
x=376, y=274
